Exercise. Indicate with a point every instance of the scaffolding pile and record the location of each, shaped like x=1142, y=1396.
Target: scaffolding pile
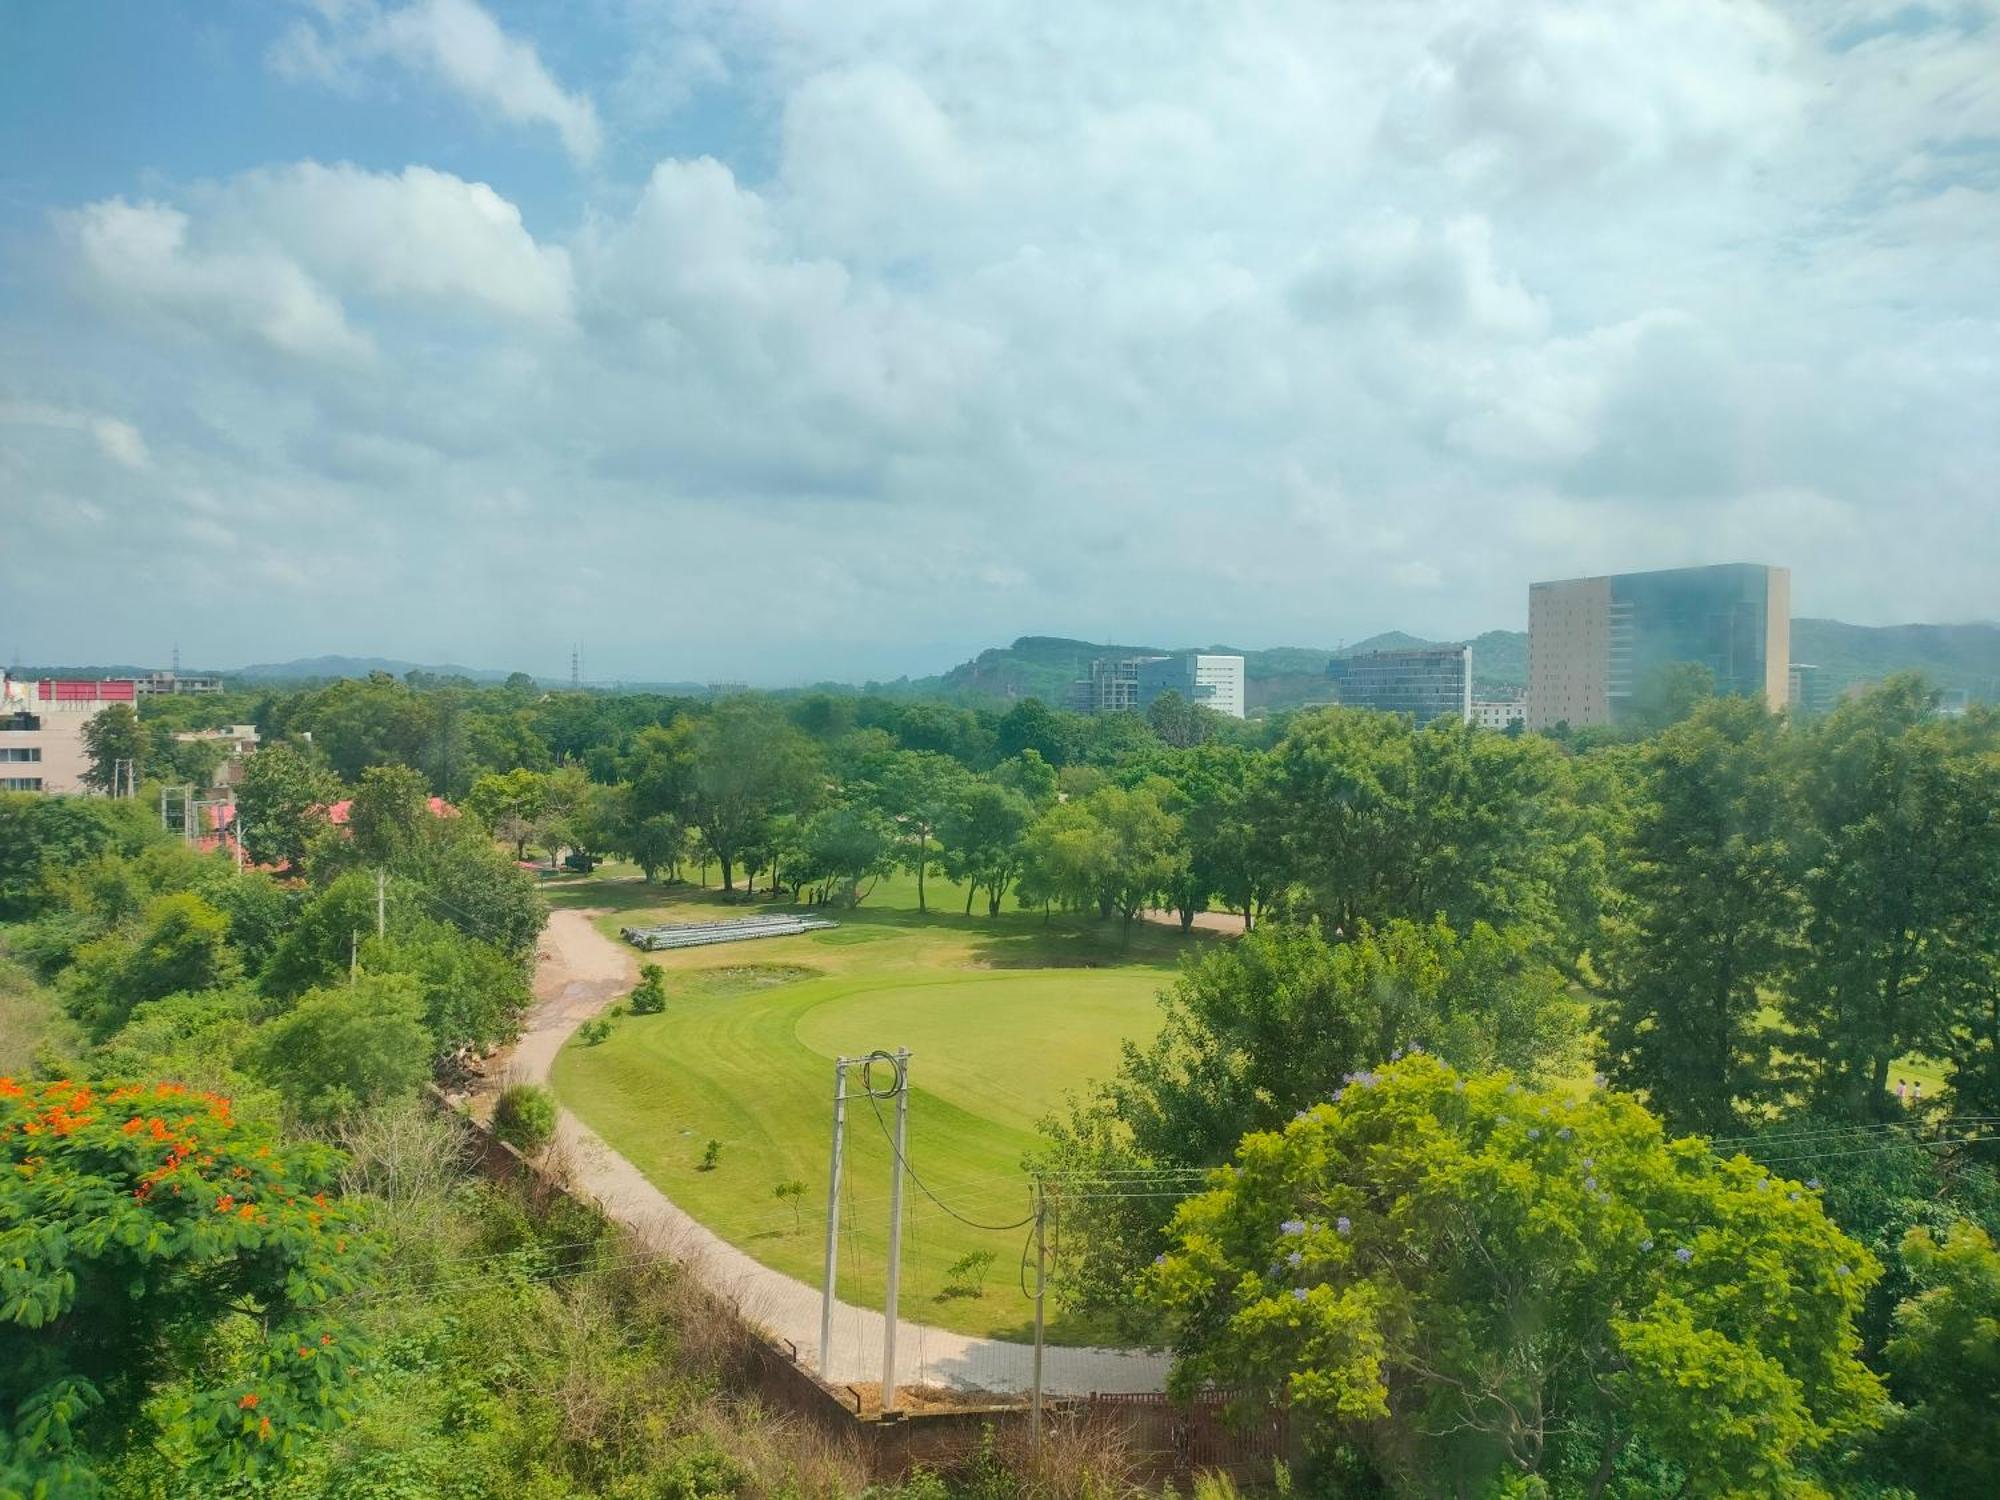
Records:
x=733, y=930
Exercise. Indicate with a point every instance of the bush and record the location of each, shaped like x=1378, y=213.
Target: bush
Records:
x=590, y=1033
x=650, y=997
x=711, y=1154
x=525, y=1117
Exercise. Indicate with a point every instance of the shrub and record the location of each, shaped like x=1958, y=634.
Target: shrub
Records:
x=590, y=1033
x=711, y=1154
x=650, y=996
x=525, y=1117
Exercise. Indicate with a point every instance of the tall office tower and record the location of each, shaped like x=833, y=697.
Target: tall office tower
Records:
x=1598, y=646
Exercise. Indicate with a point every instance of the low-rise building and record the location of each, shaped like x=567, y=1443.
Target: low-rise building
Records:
x=1499, y=713
x=238, y=743
x=41, y=731
x=1425, y=682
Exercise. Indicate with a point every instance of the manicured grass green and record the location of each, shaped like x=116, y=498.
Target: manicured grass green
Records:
x=1003, y=1018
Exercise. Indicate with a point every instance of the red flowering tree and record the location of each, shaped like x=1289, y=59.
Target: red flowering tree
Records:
x=146, y=1234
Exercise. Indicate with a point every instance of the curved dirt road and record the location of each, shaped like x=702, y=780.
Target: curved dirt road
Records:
x=579, y=972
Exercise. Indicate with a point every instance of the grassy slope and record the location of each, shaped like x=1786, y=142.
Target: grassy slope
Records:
x=1003, y=1017
x=29, y=1017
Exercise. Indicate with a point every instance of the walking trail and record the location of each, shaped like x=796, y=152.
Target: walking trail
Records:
x=579, y=972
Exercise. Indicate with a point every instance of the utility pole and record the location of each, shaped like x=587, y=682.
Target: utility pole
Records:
x=1041, y=1287
x=902, y=1061
x=832, y=1219
x=381, y=892
x=353, y=954
x=239, y=846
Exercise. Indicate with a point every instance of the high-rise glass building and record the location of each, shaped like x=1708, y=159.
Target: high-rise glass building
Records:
x=1426, y=682
x=1597, y=646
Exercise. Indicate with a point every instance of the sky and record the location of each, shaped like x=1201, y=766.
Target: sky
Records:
x=779, y=340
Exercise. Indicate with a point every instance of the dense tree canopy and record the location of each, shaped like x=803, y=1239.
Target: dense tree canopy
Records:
x=1446, y=1274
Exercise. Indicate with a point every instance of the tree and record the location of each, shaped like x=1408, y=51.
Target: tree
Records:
x=1144, y=846
x=1180, y=723
x=1253, y=1031
x=1445, y=1273
x=654, y=843
x=1380, y=822
x=182, y=945
x=390, y=812
x=917, y=790
x=841, y=846
x=1944, y=1364
x=748, y=764
x=1032, y=725
x=191, y=762
x=508, y=804
x=982, y=836
x=474, y=994
x=281, y=804
x=347, y=1047
x=117, y=745
x=1892, y=868
x=139, y=1222
x=1711, y=909
x=1063, y=859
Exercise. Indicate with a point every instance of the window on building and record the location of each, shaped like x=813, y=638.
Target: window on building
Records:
x=20, y=783
x=21, y=752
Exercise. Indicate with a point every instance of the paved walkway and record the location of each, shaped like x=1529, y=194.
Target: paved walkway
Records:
x=580, y=971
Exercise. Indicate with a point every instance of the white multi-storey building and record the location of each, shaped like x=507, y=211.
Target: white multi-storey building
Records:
x=1212, y=681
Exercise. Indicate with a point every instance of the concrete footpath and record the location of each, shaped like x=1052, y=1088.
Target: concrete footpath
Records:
x=579, y=972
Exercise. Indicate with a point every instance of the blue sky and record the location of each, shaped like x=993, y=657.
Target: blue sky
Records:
x=775, y=340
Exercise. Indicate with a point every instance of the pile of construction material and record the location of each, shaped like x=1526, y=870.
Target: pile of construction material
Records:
x=733, y=930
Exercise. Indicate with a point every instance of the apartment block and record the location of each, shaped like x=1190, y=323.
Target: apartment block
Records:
x=1427, y=683
x=1597, y=645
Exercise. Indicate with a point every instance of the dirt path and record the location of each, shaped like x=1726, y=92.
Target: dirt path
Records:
x=580, y=971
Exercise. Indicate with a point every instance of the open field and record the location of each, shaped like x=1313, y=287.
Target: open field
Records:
x=1003, y=1016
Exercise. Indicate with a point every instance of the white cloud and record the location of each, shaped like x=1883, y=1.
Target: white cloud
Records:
x=1174, y=323
x=420, y=235
x=457, y=44
x=137, y=255
x=117, y=439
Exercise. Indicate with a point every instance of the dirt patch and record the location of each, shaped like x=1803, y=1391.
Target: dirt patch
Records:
x=728, y=981
x=911, y=1398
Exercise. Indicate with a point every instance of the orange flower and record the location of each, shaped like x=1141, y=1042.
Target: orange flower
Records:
x=326, y=1338
x=304, y=1352
x=134, y=1125
x=264, y=1428
x=226, y=1202
x=248, y=1402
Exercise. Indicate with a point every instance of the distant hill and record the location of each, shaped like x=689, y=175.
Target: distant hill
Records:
x=1952, y=656
x=1043, y=666
x=330, y=667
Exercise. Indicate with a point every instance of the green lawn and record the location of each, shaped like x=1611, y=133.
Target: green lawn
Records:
x=1003, y=1017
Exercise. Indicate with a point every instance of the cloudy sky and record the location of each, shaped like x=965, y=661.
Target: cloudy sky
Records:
x=776, y=339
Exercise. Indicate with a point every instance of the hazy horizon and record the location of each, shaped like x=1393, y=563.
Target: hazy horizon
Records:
x=780, y=343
